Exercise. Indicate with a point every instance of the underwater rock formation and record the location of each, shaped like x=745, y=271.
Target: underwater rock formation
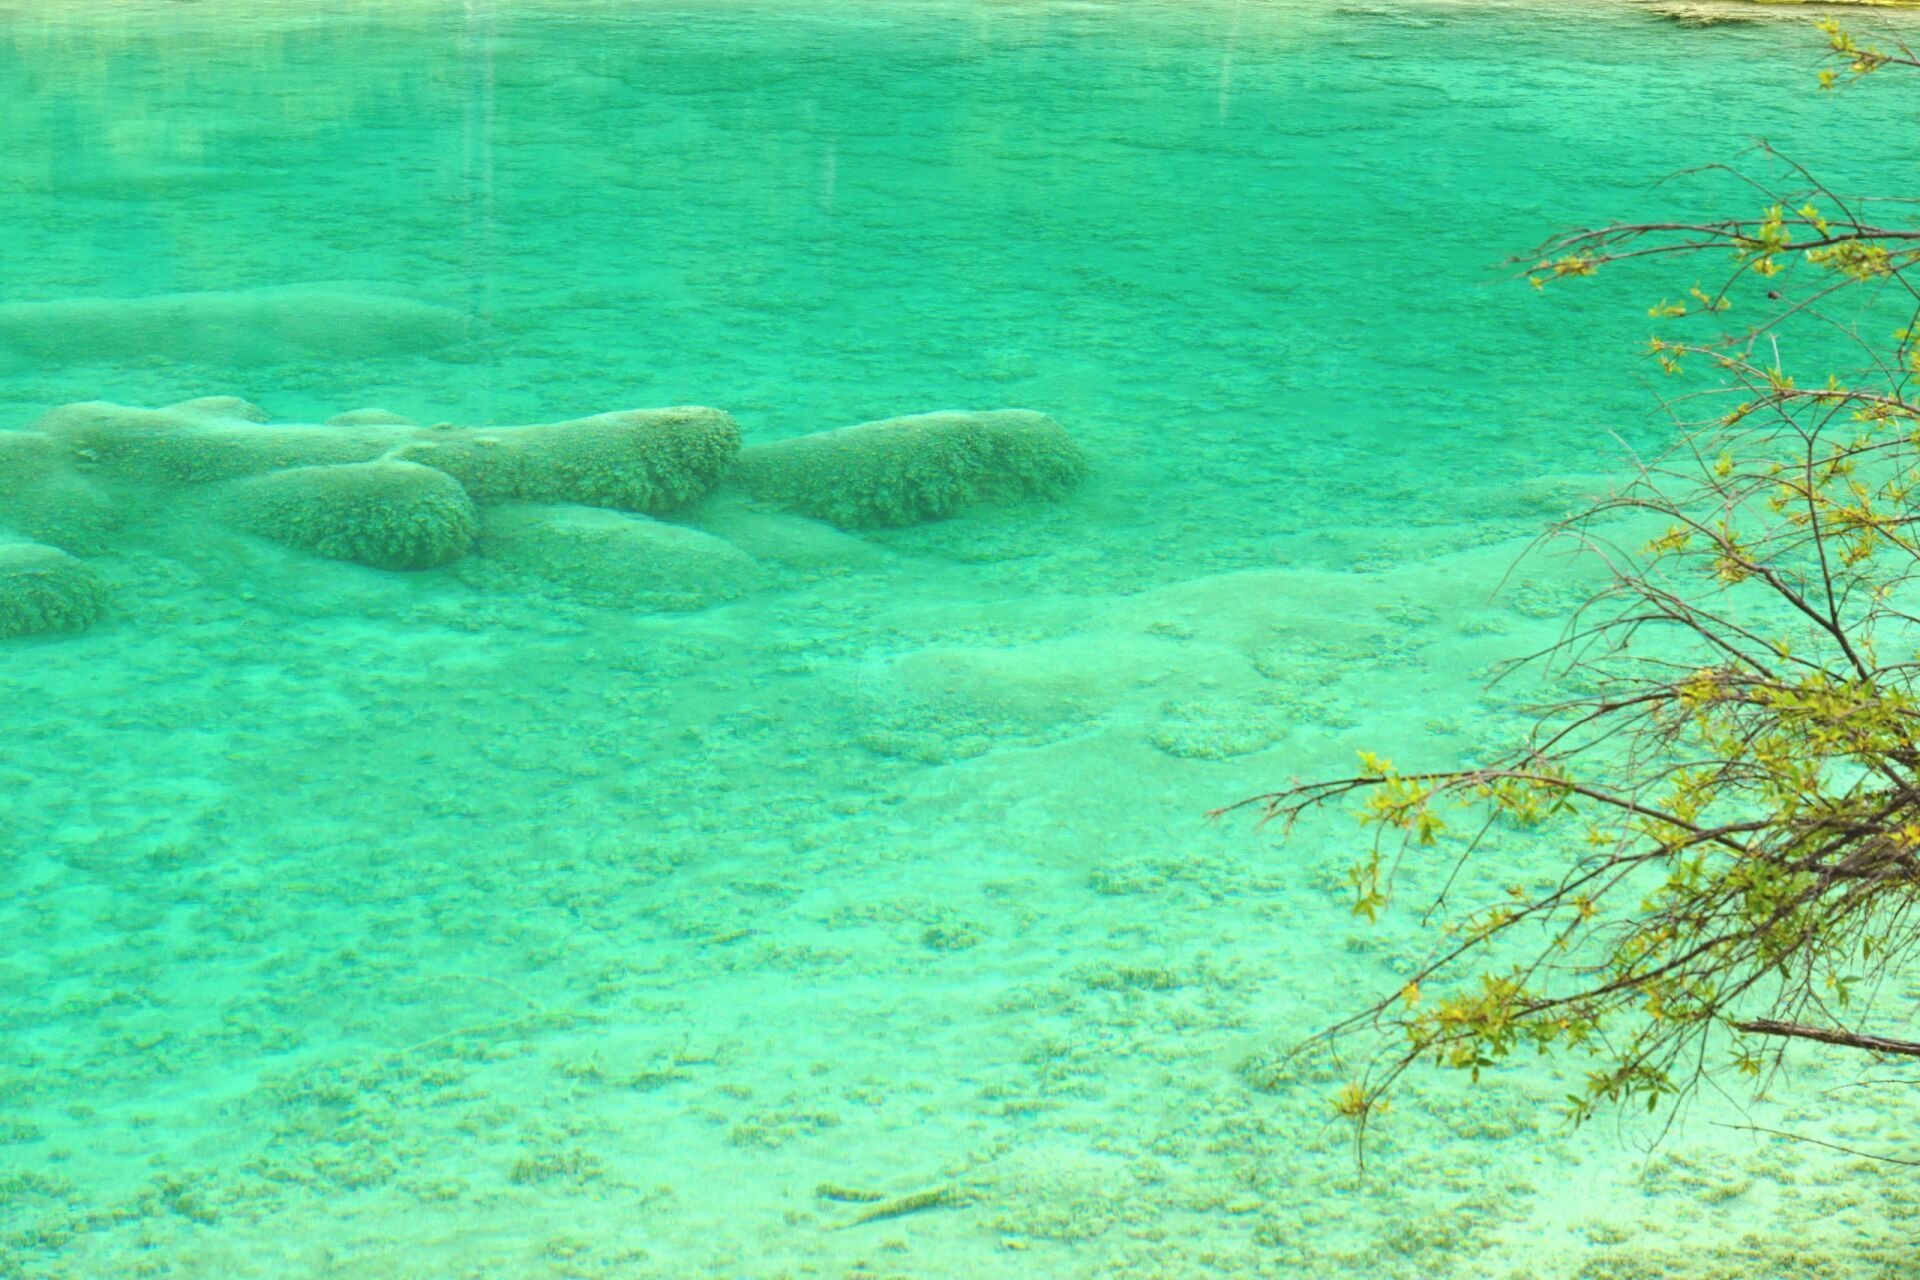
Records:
x=597, y=556
x=905, y=470
x=651, y=460
x=43, y=499
x=385, y=514
x=808, y=546
x=43, y=589
x=561, y=508
x=231, y=328
x=198, y=443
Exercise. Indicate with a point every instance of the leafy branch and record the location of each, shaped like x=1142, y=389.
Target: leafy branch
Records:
x=1738, y=778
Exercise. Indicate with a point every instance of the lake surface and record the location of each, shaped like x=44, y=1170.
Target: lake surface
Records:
x=456, y=923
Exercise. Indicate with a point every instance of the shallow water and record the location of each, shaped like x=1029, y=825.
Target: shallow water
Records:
x=394, y=925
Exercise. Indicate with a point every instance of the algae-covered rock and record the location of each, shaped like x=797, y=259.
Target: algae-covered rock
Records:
x=43, y=589
x=26, y=457
x=905, y=470
x=651, y=460
x=194, y=444
x=602, y=557
x=43, y=499
x=230, y=328
x=385, y=514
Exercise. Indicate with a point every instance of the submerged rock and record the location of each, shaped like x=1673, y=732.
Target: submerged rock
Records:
x=194, y=444
x=386, y=514
x=906, y=470
x=232, y=328
x=652, y=460
x=44, y=499
x=809, y=546
x=43, y=589
x=604, y=557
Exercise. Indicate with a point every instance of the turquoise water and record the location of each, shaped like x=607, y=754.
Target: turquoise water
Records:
x=445, y=924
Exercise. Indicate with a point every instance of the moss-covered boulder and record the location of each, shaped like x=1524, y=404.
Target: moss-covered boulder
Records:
x=906, y=470
x=601, y=557
x=27, y=458
x=232, y=328
x=43, y=499
x=385, y=514
x=196, y=443
x=43, y=590
x=648, y=460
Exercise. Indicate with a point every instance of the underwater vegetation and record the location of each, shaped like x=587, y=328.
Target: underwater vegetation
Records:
x=569, y=505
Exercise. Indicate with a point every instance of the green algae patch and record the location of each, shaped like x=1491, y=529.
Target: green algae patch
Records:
x=903, y=471
x=386, y=514
x=45, y=590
